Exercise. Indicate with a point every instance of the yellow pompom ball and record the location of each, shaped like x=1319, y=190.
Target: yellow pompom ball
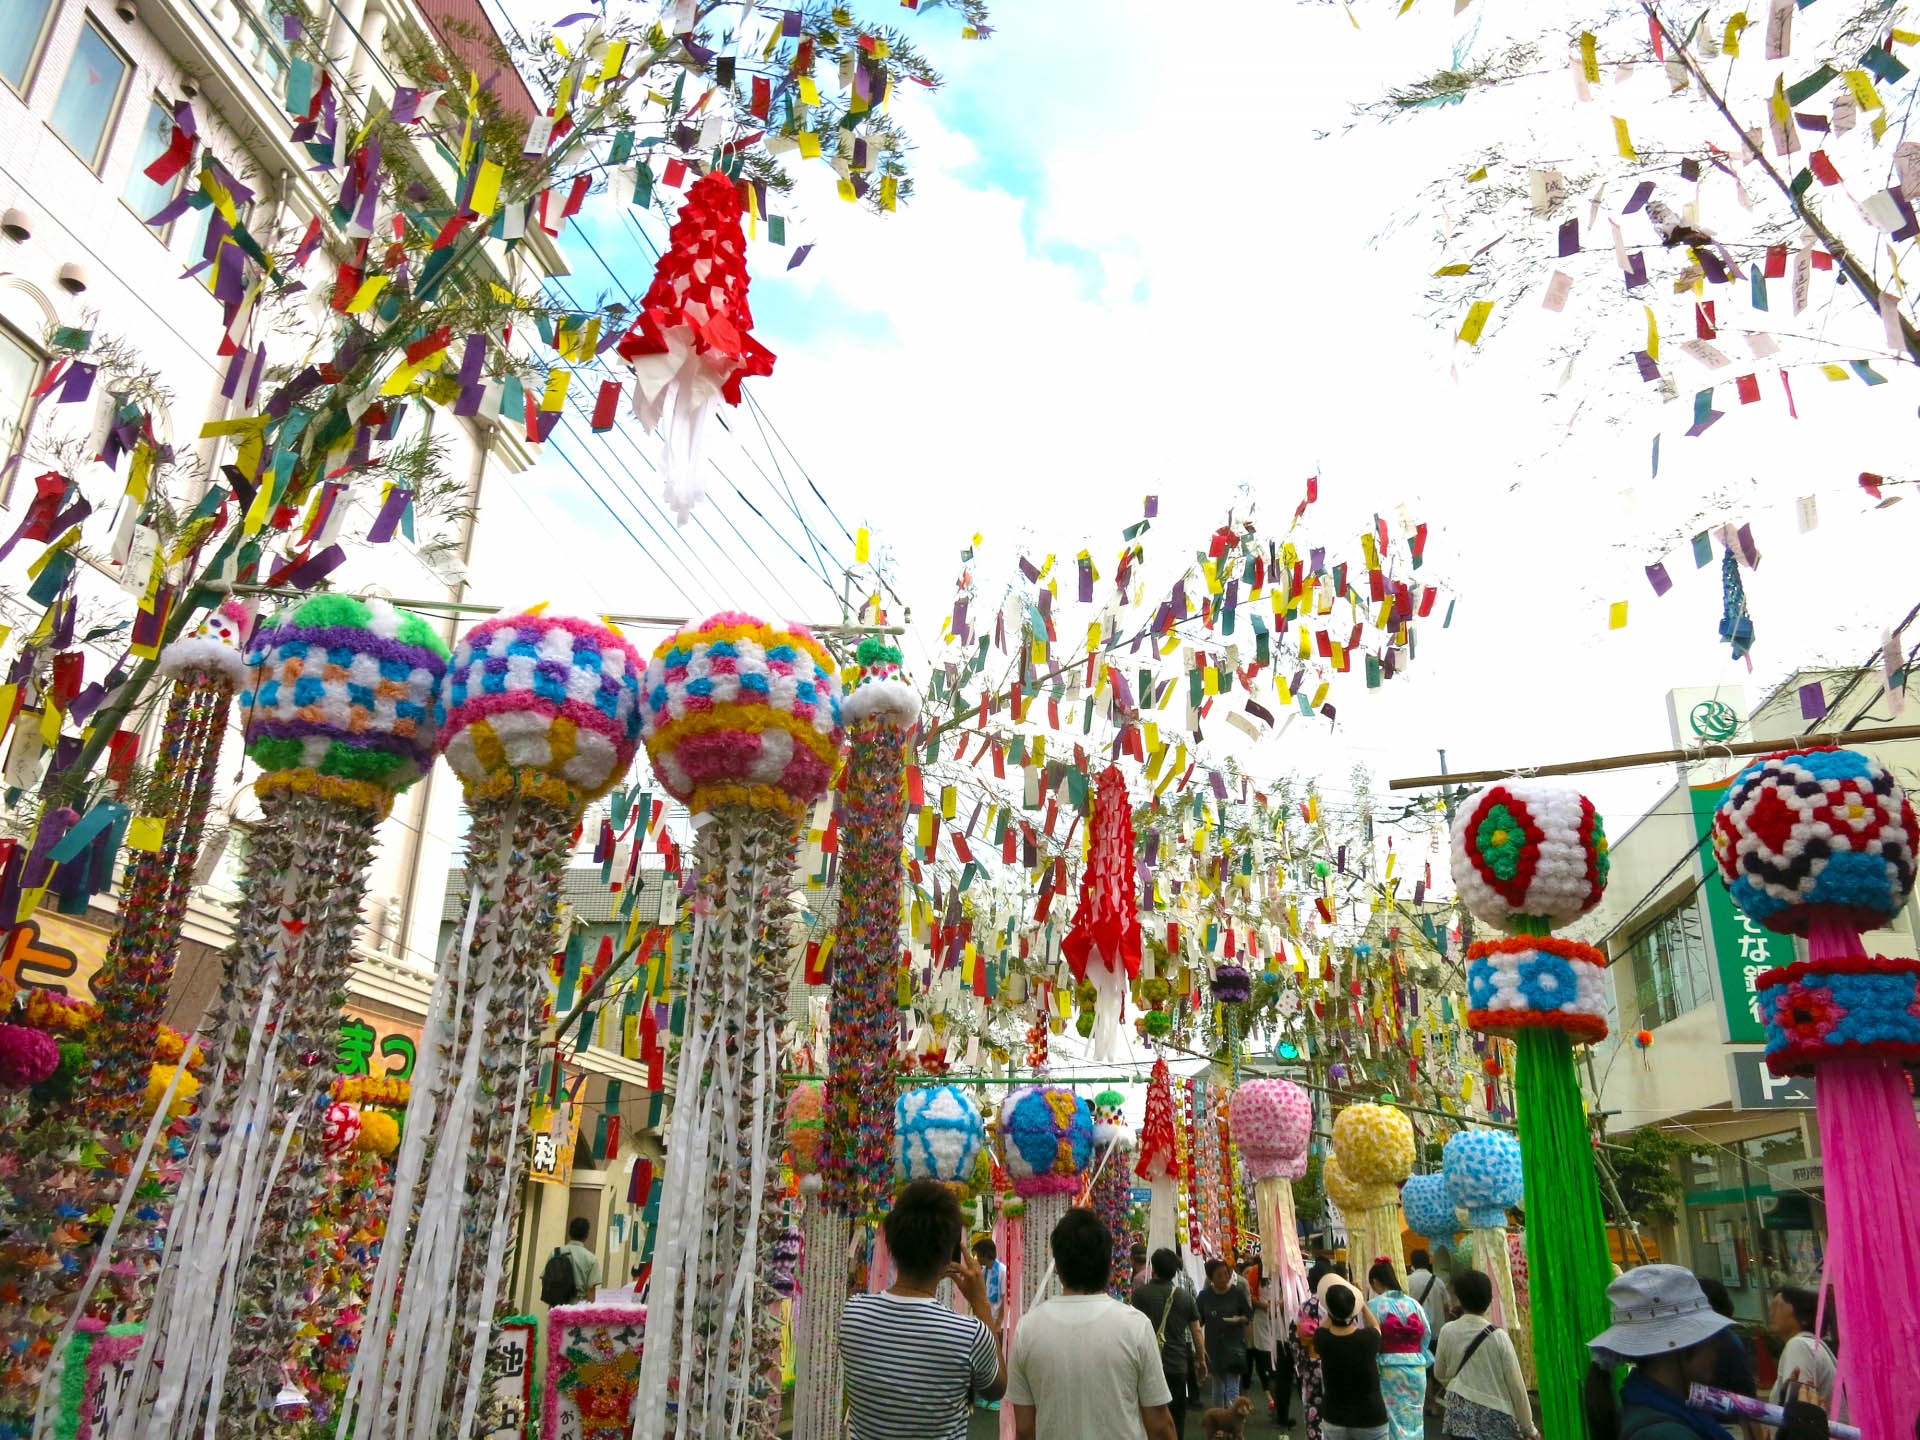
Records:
x=1375, y=1143
x=379, y=1132
x=161, y=1076
x=1342, y=1189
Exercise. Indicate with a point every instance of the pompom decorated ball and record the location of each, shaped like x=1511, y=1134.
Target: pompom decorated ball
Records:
x=1348, y=1194
x=27, y=1056
x=937, y=1135
x=542, y=704
x=344, y=699
x=1428, y=1207
x=806, y=1133
x=1046, y=1139
x=878, y=690
x=1520, y=981
x=1825, y=837
x=1483, y=1174
x=1529, y=848
x=1109, y=1121
x=1232, y=985
x=339, y=1128
x=161, y=1076
x=741, y=711
x=1375, y=1143
x=1815, y=832
x=379, y=1133
x=1271, y=1121
x=216, y=646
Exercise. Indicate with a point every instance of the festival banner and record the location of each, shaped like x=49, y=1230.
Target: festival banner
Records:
x=593, y=1371
x=510, y=1364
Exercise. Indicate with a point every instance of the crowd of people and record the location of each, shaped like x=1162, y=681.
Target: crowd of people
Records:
x=1084, y=1365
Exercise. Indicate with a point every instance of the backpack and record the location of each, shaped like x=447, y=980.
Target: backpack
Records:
x=558, y=1283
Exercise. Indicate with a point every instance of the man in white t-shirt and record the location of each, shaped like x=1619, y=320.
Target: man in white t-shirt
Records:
x=1084, y=1366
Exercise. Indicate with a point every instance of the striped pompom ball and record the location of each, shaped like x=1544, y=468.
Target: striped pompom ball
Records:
x=546, y=704
x=344, y=699
x=742, y=711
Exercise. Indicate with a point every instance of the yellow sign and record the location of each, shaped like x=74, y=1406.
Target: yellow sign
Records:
x=556, y=1131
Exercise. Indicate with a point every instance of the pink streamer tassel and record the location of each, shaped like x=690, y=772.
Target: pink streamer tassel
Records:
x=1015, y=1254
x=1871, y=1149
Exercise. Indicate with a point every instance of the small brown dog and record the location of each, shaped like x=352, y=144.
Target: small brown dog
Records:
x=1227, y=1422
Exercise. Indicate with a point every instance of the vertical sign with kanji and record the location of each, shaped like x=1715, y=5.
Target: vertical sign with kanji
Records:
x=1742, y=950
x=555, y=1130
x=510, y=1363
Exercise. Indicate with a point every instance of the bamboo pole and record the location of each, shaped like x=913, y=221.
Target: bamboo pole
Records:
x=1655, y=757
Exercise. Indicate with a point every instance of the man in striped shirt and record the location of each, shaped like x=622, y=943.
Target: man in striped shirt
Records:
x=912, y=1365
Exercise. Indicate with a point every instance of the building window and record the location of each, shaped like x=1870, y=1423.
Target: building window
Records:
x=20, y=369
x=89, y=96
x=1672, y=969
x=23, y=25
x=143, y=196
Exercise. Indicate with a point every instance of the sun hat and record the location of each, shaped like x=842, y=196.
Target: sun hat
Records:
x=1657, y=1309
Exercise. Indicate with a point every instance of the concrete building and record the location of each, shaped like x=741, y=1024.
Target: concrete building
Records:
x=1683, y=964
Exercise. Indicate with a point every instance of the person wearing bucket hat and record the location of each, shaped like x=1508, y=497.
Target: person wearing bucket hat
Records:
x=1663, y=1327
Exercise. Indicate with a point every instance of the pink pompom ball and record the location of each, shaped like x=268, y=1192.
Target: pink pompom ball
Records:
x=27, y=1056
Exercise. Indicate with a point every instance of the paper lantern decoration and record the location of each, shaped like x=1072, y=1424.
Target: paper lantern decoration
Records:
x=740, y=711
x=1528, y=854
x=692, y=343
x=1159, y=1163
x=379, y=1133
x=937, y=1135
x=345, y=700
x=1483, y=1174
x=1529, y=848
x=1429, y=1208
x=1821, y=843
x=27, y=1056
x=806, y=1133
x=339, y=1128
x=542, y=704
x=1103, y=945
x=1046, y=1137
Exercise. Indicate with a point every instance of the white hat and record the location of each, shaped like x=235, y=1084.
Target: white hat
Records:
x=1657, y=1309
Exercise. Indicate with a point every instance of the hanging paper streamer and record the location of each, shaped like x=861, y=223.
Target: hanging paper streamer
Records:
x=692, y=344
x=1159, y=1163
x=1483, y=1176
x=1526, y=855
x=1112, y=1190
x=1103, y=947
x=340, y=716
x=825, y=1239
x=1821, y=843
x=742, y=720
x=541, y=716
x=1272, y=1125
x=1353, y=1202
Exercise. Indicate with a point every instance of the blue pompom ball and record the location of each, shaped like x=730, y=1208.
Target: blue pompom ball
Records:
x=1428, y=1206
x=1483, y=1175
x=937, y=1135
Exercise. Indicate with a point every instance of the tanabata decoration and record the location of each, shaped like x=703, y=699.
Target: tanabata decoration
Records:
x=1350, y=1199
x=541, y=716
x=1821, y=843
x=937, y=1135
x=1103, y=946
x=880, y=711
x=1376, y=1149
x=341, y=715
x=1159, y=1163
x=806, y=1134
x=27, y=1056
x=824, y=1274
x=1232, y=985
x=1272, y=1124
x=742, y=721
x=207, y=668
x=593, y=1366
x=692, y=344
x=1527, y=855
x=1483, y=1176
x=1046, y=1144
x=1429, y=1209
x=1111, y=1189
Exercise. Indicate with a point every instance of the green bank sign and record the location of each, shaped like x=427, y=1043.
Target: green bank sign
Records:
x=1741, y=949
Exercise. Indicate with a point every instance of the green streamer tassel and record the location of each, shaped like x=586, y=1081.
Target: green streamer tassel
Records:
x=1568, y=1267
